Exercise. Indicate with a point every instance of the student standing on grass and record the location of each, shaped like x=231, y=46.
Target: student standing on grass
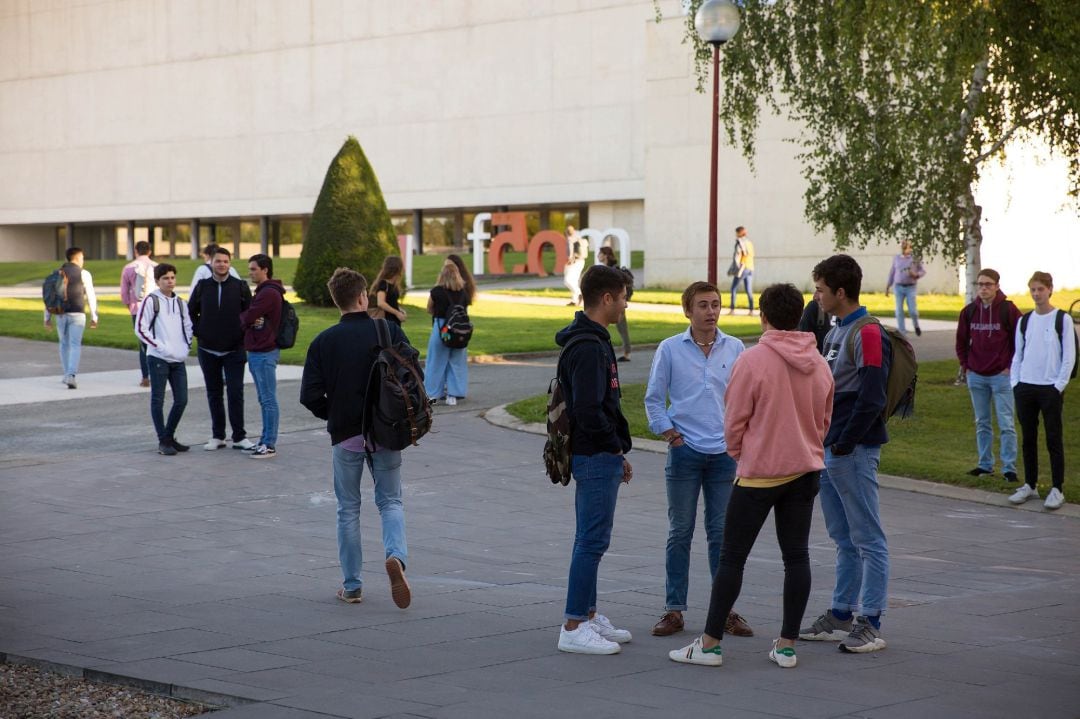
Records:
x=387, y=290
x=599, y=441
x=849, y=483
x=684, y=402
x=165, y=326
x=260, y=322
x=136, y=282
x=778, y=406
x=1041, y=367
x=333, y=388
x=71, y=324
x=985, y=343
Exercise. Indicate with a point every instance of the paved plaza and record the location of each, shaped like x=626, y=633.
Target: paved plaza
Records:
x=212, y=576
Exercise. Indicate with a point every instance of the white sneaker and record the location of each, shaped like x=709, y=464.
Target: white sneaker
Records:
x=451, y=401
x=585, y=640
x=1055, y=499
x=1025, y=493
x=784, y=658
x=213, y=443
x=694, y=653
x=245, y=444
x=602, y=626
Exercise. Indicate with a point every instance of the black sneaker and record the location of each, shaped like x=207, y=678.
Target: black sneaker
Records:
x=1011, y=477
x=263, y=452
x=918, y=331
x=179, y=447
x=166, y=449
x=979, y=471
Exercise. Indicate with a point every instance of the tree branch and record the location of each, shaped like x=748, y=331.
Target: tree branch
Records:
x=1006, y=137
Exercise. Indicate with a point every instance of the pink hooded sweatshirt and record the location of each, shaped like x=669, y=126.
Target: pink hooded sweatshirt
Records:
x=777, y=407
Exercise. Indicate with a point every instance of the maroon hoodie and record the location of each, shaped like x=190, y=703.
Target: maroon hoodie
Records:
x=983, y=346
x=266, y=303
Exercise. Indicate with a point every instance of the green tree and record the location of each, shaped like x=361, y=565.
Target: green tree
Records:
x=350, y=226
x=901, y=102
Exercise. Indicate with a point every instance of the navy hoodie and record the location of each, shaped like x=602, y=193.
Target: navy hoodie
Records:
x=589, y=375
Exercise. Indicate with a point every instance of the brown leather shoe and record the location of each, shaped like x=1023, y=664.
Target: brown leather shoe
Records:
x=670, y=623
x=737, y=626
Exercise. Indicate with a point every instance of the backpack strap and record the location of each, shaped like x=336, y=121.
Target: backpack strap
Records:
x=382, y=330
x=856, y=326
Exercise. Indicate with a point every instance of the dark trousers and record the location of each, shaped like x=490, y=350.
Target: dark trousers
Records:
x=173, y=374
x=142, y=352
x=225, y=374
x=793, y=509
x=1031, y=399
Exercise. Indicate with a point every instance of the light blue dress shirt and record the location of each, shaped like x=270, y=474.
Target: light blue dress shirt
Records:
x=695, y=386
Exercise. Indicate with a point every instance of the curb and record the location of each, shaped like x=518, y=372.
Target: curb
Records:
x=499, y=417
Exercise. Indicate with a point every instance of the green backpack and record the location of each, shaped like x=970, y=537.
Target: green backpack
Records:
x=903, y=369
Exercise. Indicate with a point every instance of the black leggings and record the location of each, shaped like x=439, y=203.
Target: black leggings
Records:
x=1031, y=399
x=793, y=505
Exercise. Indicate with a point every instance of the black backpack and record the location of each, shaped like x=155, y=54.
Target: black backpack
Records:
x=457, y=329
x=557, y=451
x=397, y=411
x=54, y=291
x=1059, y=327
x=289, y=327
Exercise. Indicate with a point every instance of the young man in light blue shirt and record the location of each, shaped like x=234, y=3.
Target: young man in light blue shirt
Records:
x=691, y=372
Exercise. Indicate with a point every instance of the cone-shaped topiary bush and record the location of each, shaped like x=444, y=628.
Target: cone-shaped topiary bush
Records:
x=350, y=226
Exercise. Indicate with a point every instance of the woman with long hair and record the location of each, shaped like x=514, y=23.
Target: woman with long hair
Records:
x=446, y=374
x=466, y=276
x=387, y=290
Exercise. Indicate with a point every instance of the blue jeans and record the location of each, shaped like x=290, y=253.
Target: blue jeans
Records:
x=446, y=371
x=143, y=366
x=690, y=473
x=849, y=501
x=597, y=480
x=386, y=471
x=69, y=329
x=263, y=366
x=224, y=373
x=747, y=280
x=905, y=293
x=985, y=389
x=175, y=375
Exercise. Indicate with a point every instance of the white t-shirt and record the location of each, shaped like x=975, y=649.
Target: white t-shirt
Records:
x=1039, y=358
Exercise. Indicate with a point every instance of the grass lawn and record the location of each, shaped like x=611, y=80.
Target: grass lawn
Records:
x=501, y=328
x=937, y=444
x=938, y=307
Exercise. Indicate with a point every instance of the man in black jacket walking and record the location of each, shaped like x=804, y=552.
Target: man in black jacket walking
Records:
x=334, y=388
x=599, y=441
x=215, y=306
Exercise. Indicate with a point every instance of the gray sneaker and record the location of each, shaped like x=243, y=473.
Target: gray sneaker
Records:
x=863, y=638
x=826, y=628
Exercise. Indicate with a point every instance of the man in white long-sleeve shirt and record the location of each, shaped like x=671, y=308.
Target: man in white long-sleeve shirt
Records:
x=71, y=323
x=1041, y=367
x=164, y=324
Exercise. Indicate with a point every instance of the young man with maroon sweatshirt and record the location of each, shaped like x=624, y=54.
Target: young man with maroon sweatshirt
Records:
x=985, y=342
x=260, y=322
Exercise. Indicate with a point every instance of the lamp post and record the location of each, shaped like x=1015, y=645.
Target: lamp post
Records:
x=716, y=22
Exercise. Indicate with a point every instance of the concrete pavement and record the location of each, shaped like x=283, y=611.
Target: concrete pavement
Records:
x=211, y=576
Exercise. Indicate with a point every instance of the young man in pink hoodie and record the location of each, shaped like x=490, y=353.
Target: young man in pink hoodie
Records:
x=779, y=404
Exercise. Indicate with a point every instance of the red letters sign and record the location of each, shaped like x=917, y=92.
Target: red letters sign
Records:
x=516, y=238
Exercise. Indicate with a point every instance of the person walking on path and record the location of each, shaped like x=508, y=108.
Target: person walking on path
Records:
x=744, y=272
x=684, y=403
x=607, y=256
x=576, y=251
x=904, y=273
x=204, y=270
x=858, y=352
x=260, y=322
x=216, y=306
x=137, y=281
x=599, y=441
x=71, y=324
x=446, y=371
x=387, y=291
x=778, y=402
x=985, y=343
x=333, y=388
x=164, y=324
x=1041, y=368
